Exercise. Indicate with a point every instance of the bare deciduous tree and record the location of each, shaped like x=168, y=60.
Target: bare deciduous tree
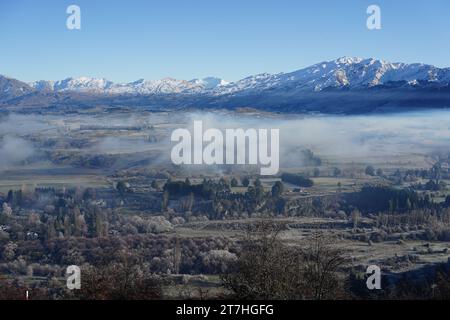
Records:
x=269, y=269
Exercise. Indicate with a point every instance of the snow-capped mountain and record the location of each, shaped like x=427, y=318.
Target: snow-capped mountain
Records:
x=345, y=85
x=209, y=83
x=141, y=86
x=345, y=72
x=163, y=86
x=348, y=72
x=83, y=84
x=12, y=88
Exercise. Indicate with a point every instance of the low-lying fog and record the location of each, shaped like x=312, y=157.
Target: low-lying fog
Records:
x=334, y=137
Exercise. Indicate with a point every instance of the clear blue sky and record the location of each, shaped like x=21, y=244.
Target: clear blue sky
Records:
x=127, y=40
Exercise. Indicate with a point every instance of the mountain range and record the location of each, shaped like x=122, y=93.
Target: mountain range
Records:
x=344, y=85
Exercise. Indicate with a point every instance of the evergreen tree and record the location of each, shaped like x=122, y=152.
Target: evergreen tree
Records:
x=277, y=189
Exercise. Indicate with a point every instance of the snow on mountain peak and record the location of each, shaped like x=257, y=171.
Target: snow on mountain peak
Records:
x=348, y=60
x=349, y=72
x=141, y=86
x=209, y=83
x=81, y=84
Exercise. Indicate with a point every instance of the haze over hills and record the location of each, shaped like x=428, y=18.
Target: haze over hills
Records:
x=344, y=85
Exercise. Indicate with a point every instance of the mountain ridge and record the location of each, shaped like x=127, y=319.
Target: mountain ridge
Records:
x=346, y=83
x=353, y=72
